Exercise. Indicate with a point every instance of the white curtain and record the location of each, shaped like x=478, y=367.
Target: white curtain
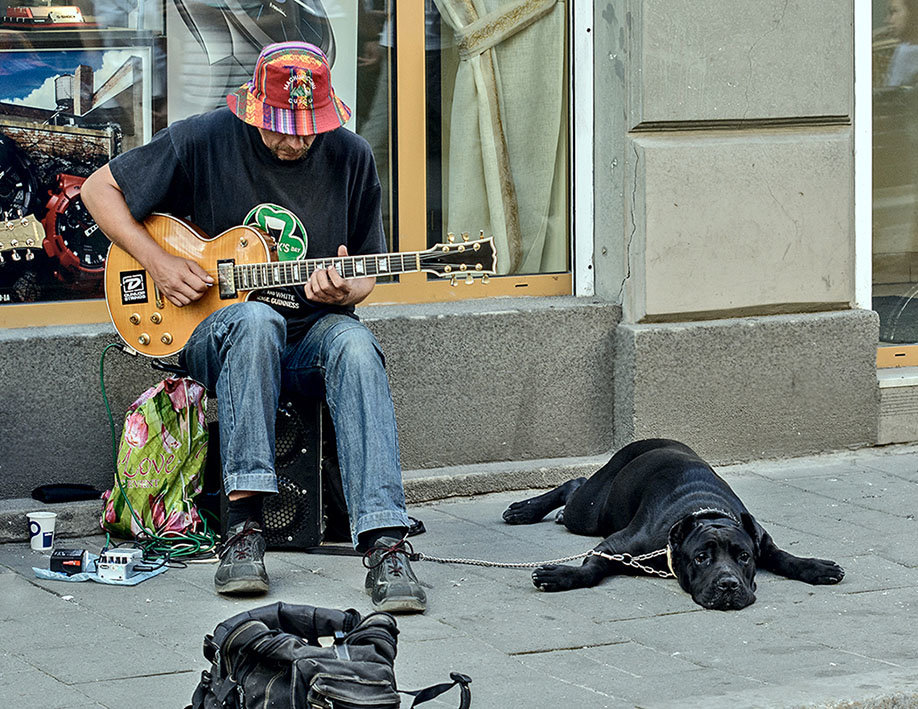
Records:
x=506, y=170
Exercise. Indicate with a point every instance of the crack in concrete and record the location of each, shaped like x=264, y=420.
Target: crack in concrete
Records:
x=547, y=651
x=627, y=264
x=774, y=28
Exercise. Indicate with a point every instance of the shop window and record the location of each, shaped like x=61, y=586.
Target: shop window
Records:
x=895, y=179
x=466, y=111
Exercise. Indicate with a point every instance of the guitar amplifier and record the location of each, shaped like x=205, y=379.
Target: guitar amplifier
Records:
x=294, y=518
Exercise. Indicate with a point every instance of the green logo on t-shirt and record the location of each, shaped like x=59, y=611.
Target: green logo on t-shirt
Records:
x=286, y=228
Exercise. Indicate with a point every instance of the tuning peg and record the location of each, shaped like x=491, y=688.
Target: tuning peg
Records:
x=481, y=233
x=465, y=236
x=29, y=256
x=15, y=256
x=450, y=237
x=2, y=260
x=453, y=281
x=470, y=279
x=485, y=278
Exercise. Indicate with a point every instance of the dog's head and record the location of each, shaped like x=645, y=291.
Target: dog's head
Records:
x=713, y=556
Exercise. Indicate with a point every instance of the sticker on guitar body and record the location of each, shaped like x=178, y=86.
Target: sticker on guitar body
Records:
x=133, y=287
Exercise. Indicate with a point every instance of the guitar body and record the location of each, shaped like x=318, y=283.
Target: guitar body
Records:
x=144, y=319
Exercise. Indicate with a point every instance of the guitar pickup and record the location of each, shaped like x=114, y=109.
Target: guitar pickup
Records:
x=226, y=278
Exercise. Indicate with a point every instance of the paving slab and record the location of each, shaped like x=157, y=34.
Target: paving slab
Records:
x=629, y=642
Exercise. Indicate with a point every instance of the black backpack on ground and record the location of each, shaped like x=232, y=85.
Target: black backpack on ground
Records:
x=271, y=657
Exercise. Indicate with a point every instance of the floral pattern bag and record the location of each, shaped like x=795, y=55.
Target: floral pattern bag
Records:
x=160, y=462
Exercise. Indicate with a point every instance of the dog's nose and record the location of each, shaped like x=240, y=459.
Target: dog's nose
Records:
x=728, y=583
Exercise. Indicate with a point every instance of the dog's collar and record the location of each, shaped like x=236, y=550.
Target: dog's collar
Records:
x=713, y=513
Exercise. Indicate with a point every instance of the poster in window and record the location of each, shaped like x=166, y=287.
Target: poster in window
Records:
x=63, y=113
x=213, y=45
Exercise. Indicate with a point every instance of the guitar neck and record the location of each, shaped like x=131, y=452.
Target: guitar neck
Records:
x=291, y=273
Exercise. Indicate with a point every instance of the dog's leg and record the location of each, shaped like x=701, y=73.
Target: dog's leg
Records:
x=813, y=571
x=559, y=577
x=535, y=508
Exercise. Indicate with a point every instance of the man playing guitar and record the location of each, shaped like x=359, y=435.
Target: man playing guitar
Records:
x=277, y=158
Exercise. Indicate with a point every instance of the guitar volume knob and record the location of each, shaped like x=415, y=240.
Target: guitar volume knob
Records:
x=166, y=339
x=156, y=318
x=144, y=339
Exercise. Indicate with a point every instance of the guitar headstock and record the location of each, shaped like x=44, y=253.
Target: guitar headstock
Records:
x=20, y=237
x=463, y=260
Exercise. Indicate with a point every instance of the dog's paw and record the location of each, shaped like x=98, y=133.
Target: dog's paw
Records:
x=553, y=577
x=821, y=571
x=524, y=512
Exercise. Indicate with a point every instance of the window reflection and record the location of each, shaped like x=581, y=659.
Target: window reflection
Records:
x=895, y=148
x=375, y=107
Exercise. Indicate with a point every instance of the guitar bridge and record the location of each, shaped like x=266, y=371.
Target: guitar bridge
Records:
x=226, y=278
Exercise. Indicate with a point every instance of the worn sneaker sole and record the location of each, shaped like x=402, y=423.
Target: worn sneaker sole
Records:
x=400, y=604
x=242, y=587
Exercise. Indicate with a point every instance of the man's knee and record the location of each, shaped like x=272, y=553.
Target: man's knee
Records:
x=355, y=344
x=253, y=319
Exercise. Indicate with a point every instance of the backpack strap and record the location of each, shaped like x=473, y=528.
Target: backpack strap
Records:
x=435, y=690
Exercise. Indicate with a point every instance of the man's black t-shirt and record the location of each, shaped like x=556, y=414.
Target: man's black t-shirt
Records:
x=215, y=171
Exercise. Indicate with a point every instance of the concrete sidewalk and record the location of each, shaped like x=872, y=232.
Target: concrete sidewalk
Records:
x=631, y=642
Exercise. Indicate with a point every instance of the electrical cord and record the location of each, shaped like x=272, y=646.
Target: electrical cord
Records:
x=167, y=548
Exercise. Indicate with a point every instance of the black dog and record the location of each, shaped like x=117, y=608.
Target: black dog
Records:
x=658, y=494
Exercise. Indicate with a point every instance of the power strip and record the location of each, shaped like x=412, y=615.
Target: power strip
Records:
x=119, y=564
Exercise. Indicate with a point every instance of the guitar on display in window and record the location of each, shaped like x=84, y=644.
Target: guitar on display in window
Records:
x=242, y=260
x=20, y=238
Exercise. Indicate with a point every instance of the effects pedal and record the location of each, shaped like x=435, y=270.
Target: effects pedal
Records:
x=119, y=564
x=69, y=561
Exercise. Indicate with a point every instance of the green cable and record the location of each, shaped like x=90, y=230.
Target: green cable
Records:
x=174, y=546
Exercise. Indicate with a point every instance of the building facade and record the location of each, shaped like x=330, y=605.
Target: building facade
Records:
x=680, y=195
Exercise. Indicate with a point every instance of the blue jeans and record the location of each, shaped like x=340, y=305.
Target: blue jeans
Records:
x=241, y=353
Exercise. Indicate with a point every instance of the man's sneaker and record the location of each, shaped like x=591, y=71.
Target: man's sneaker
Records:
x=242, y=561
x=391, y=583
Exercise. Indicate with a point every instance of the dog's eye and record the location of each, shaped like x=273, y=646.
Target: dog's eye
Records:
x=700, y=558
x=744, y=557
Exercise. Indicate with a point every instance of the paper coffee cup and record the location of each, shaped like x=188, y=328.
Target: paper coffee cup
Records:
x=41, y=530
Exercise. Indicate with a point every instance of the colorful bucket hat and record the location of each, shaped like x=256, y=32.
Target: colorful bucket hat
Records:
x=290, y=92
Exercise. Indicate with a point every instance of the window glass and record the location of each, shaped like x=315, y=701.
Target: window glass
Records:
x=213, y=46
x=79, y=83
x=486, y=81
x=374, y=115
x=895, y=169
x=497, y=128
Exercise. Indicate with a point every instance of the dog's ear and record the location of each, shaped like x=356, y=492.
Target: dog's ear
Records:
x=753, y=529
x=680, y=530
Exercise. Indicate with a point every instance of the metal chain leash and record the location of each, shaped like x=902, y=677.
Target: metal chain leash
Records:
x=635, y=562
x=626, y=559
x=419, y=556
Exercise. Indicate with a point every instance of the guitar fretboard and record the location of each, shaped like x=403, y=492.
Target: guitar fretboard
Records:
x=291, y=273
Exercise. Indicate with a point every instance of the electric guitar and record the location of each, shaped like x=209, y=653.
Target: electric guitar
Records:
x=242, y=260
x=20, y=237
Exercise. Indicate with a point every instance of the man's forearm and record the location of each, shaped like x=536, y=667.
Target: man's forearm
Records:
x=108, y=208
